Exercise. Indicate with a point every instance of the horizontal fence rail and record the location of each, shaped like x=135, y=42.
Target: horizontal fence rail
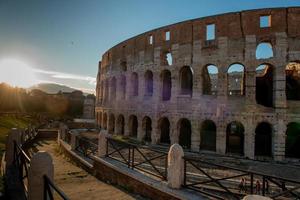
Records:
x=86, y=146
x=137, y=157
x=224, y=182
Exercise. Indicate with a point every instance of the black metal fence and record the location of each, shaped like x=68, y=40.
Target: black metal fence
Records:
x=224, y=182
x=143, y=158
x=49, y=187
x=86, y=146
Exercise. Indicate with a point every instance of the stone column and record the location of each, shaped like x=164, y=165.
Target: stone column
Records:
x=126, y=125
x=221, y=138
x=14, y=135
x=195, y=137
x=174, y=132
x=155, y=133
x=278, y=141
x=175, y=166
x=41, y=164
x=140, y=131
x=102, y=143
x=279, y=95
x=249, y=142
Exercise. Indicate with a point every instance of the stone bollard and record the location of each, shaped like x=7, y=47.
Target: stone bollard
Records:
x=62, y=131
x=102, y=143
x=14, y=135
x=256, y=197
x=175, y=166
x=41, y=164
x=73, y=140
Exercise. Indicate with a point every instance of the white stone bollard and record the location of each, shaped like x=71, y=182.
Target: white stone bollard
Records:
x=102, y=143
x=14, y=135
x=41, y=164
x=256, y=197
x=175, y=166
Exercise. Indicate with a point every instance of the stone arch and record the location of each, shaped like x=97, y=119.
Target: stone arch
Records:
x=210, y=80
x=123, y=86
x=166, y=85
x=292, y=142
x=133, y=125
x=263, y=139
x=113, y=87
x=236, y=80
x=135, y=84
x=104, y=121
x=111, y=124
x=292, y=85
x=185, y=133
x=186, y=80
x=264, y=50
x=120, y=125
x=235, y=138
x=264, y=85
x=164, y=128
x=208, y=134
x=148, y=83
x=147, y=128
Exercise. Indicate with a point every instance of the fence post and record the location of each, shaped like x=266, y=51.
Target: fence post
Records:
x=14, y=135
x=41, y=164
x=175, y=166
x=102, y=143
x=73, y=140
x=62, y=131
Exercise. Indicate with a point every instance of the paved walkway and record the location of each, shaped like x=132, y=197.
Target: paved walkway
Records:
x=77, y=183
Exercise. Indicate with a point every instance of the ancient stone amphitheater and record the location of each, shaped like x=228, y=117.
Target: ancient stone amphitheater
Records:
x=228, y=84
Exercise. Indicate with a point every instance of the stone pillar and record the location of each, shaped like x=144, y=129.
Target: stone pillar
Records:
x=102, y=143
x=126, y=126
x=249, y=142
x=140, y=131
x=14, y=135
x=279, y=95
x=250, y=87
x=221, y=138
x=155, y=133
x=174, y=132
x=195, y=137
x=41, y=164
x=278, y=141
x=175, y=166
x=73, y=140
x=62, y=131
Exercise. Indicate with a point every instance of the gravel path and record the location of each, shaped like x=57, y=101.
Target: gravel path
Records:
x=77, y=183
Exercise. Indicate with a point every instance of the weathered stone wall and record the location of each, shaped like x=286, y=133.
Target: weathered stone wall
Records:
x=236, y=38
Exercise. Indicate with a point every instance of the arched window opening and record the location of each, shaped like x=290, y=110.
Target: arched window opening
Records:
x=292, y=71
x=185, y=133
x=208, y=136
x=164, y=127
x=123, y=87
x=186, y=81
x=111, y=124
x=135, y=84
x=104, y=125
x=133, y=126
x=235, y=138
x=120, y=125
x=166, y=85
x=264, y=50
x=113, y=88
x=264, y=85
x=292, y=142
x=263, y=139
x=210, y=80
x=148, y=83
x=236, y=80
x=123, y=66
x=147, y=128
x=167, y=58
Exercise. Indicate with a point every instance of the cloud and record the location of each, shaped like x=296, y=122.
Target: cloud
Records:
x=61, y=75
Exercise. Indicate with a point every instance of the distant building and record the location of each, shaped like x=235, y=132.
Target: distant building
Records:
x=89, y=107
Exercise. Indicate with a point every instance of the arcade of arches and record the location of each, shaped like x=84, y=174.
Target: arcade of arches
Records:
x=208, y=133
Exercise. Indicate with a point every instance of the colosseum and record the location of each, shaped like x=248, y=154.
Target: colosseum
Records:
x=228, y=84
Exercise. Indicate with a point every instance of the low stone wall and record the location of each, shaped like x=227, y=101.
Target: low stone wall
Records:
x=132, y=181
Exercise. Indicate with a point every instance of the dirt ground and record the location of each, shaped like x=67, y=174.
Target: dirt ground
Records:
x=76, y=183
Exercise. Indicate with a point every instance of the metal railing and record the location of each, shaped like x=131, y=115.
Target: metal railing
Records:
x=223, y=182
x=137, y=157
x=86, y=146
x=49, y=188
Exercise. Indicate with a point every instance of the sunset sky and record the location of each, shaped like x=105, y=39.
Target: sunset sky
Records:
x=62, y=41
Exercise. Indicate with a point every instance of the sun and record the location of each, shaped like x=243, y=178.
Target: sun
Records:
x=17, y=73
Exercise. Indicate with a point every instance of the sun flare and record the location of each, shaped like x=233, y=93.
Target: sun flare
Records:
x=17, y=73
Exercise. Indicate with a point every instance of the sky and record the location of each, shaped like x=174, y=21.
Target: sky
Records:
x=63, y=40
